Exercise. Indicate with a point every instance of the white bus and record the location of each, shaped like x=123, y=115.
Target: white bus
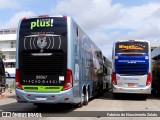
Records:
x=57, y=62
x=131, y=67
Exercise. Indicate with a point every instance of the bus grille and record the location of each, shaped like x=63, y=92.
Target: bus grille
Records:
x=53, y=64
x=132, y=69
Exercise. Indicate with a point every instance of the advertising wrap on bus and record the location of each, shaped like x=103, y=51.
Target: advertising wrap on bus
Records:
x=58, y=63
x=43, y=54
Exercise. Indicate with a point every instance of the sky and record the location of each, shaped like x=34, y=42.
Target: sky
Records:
x=104, y=21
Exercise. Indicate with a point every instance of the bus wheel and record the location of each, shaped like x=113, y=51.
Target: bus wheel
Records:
x=39, y=105
x=86, y=98
x=145, y=96
x=80, y=104
x=116, y=95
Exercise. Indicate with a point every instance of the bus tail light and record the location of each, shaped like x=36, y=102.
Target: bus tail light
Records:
x=65, y=17
x=18, y=85
x=114, y=81
x=68, y=81
x=148, y=79
x=24, y=18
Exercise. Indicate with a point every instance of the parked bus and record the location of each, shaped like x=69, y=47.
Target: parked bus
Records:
x=156, y=71
x=57, y=62
x=131, y=67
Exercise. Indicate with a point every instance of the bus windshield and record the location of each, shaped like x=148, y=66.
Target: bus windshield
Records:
x=134, y=47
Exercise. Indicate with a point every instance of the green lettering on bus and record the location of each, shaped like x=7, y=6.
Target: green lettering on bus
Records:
x=42, y=23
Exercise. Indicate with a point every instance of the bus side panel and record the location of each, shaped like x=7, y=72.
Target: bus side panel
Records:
x=74, y=59
x=92, y=65
x=70, y=50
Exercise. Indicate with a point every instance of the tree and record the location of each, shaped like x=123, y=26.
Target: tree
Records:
x=2, y=55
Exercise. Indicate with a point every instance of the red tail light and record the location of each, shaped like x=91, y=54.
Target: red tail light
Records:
x=64, y=16
x=68, y=81
x=18, y=85
x=148, y=79
x=114, y=81
x=24, y=18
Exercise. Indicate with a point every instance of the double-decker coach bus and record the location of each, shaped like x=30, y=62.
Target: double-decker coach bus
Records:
x=131, y=67
x=57, y=62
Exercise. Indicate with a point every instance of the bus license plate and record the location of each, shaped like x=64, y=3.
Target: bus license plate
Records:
x=39, y=98
x=131, y=84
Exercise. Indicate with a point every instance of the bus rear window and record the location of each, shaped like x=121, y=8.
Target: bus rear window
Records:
x=137, y=47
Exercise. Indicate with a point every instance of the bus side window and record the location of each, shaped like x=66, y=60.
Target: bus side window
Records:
x=77, y=32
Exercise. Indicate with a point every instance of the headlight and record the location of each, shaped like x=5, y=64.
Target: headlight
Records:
x=116, y=57
x=146, y=57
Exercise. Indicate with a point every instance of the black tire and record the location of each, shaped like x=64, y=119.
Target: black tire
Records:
x=86, y=98
x=80, y=104
x=145, y=96
x=39, y=105
x=116, y=95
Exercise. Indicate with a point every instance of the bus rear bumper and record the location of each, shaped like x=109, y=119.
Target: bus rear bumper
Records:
x=37, y=97
x=143, y=90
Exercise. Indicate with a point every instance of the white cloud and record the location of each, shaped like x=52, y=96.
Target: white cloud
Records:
x=102, y=39
x=13, y=22
x=90, y=14
x=98, y=16
x=4, y=4
x=138, y=16
x=147, y=31
x=105, y=41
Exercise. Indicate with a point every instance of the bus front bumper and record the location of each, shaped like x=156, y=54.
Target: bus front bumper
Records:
x=142, y=90
x=43, y=97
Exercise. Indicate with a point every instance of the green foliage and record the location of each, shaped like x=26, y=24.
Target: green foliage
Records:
x=2, y=55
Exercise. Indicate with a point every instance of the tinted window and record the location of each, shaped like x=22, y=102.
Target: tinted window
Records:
x=50, y=32
x=57, y=26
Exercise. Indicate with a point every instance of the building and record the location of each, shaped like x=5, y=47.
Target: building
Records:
x=8, y=48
